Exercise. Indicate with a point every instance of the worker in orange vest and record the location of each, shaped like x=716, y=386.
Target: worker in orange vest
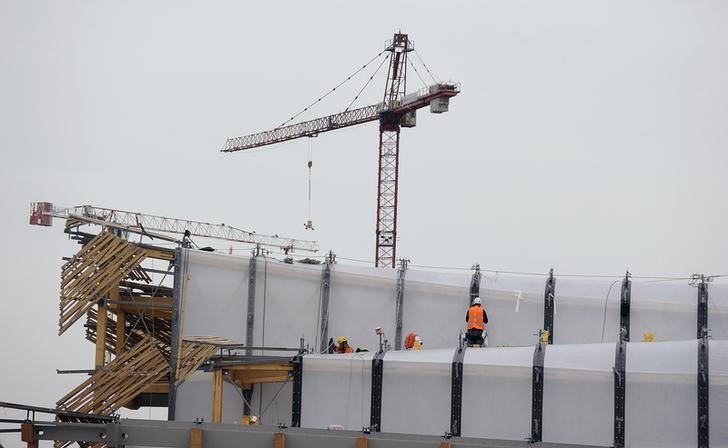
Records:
x=342, y=345
x=476, y=318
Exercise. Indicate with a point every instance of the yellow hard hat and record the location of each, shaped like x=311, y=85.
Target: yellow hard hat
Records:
x=341, y=339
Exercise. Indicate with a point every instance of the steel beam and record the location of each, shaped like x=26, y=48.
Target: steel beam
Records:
x=375, y=419
x=548, y=306
x=456, y=390
x=180, y=270
x=297, y=391
x=250, y=320
x=399, y=313
x=620, y=385
x=162, y=434
x=703, y=393
x=624, y=307
x=702, y=308
x=325, y=297
x=537, y=392
x=475, y=284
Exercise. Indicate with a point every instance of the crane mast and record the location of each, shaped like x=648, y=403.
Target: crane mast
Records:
x=397, y=109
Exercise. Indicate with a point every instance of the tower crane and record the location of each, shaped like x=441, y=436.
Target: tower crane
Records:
x=42, y=214
x=397, y=110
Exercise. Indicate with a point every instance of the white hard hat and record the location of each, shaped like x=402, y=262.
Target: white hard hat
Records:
x=418, y=339
x=476, y=301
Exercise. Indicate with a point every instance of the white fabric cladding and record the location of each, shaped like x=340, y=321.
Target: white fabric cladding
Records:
x=288, y=303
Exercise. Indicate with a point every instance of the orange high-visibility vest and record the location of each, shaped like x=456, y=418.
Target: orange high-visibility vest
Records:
x=476, y=318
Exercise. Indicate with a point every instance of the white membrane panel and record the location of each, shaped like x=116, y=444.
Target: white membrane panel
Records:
x=287, y=303
x=361, y=299
x=578, y=394
x=497, y=393
x=718, y=394
x=661, y=394
x=216, y=299
x=514, y=306
x=336, y=391
x=416, y=391
x=434, y=306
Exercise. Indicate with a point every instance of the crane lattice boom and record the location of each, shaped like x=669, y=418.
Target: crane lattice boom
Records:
x=311, y=128
x=43, y=212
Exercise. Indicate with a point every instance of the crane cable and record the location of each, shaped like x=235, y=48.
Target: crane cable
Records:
x=330, y=91
x=367, y=83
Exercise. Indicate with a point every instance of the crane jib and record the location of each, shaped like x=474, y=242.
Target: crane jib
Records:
x=352, y=117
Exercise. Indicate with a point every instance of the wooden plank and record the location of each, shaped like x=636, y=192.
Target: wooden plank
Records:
x=101, y=335
x=196, y=438
x=120, y=332
x=279, y=440
x=217, y=396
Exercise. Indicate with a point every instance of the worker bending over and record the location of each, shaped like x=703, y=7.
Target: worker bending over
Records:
x=476, y=318
x=413, y=342
x=342, y=345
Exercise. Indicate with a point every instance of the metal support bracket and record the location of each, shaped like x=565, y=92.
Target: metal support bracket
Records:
x=401, y=271
x=703, y=392
x=624, y=307
x=474, y=283
x=375, y=419
x=539, y=355
x=325, y=297
x=620, y=385
x=548, y=306
x=297, y=391
x=702, y=307
x=456, y=390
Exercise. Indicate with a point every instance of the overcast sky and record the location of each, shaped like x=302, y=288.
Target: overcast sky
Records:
x=589, y=136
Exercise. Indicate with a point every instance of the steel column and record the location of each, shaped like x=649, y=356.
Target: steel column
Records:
x=375, y=419
x=702, y=307
x=620, y=385
x=297, y=391
x=548, y=306
x=399, y=313
x=703, y=393
x=537, y=393
x=325, y=296
x=624, y=307
x=456, y=390
x=387, y=191
x=180, y=269
x=474, y=283
x=250, y=320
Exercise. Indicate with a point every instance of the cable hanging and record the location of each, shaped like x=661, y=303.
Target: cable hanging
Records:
x=330, y=91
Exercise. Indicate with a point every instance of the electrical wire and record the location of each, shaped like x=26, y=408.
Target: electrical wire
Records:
x=330, y=91
x=606, y=299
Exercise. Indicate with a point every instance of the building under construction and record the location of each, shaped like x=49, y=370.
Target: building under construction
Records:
x=238, y=348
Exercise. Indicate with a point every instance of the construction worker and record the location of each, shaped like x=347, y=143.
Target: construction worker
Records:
x=476, y=317
x=413, y=342
x=342, y=345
